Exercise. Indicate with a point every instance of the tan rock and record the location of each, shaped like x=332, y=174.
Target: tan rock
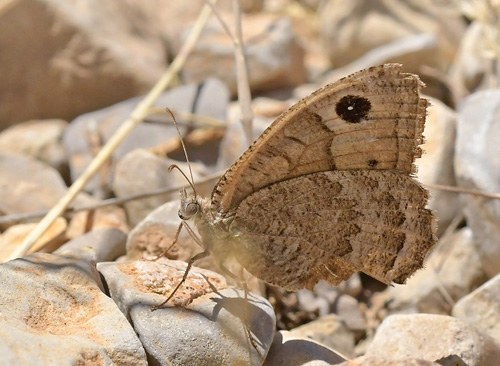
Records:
x=432, y=337
x=380, y=361
x=91, y=59
x=39, y=139
x=51, y=239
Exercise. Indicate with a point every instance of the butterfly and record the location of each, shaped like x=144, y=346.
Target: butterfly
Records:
x=328, y=189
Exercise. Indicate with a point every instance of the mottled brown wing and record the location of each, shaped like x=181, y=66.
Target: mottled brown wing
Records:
x=328, y=225
x=370, y=120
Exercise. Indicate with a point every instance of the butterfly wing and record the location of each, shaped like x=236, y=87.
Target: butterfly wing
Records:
x=372, y=119
x=328, y=225
x=362, y=131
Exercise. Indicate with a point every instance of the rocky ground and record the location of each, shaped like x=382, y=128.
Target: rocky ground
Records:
x=73, y=71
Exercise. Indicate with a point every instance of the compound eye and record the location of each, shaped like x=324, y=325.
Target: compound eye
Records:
x=192, y=209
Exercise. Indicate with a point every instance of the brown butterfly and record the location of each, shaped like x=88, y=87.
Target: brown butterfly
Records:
x=328, y=189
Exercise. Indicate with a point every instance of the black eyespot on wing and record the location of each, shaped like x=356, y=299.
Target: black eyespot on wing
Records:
x=353, y=108
x=372, y=163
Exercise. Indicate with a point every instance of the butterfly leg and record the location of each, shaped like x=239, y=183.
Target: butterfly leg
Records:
x=245, y=321
x=176, y=237
x=188, y=268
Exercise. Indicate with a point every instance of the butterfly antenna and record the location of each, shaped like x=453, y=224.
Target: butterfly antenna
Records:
x=191, y=182
x=174, y=166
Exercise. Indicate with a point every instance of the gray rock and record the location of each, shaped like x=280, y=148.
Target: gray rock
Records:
x=432, y=337
x=28, y=185
x=290, y=350
x=107, y=243
x=273, y=57
x=381, y=361
x=141, y=172
x=39, y=139
x=452, y=270
x=477, y=167
x=202, y=325
x=481, y=308
x=436, y=164
x=329, y=330
x=53, y=312
x=208, y=99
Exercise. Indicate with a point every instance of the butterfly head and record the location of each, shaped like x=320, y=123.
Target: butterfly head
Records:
x=190, y=206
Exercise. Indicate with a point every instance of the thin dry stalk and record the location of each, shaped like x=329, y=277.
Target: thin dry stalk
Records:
x=244, y=95
x=135, y=118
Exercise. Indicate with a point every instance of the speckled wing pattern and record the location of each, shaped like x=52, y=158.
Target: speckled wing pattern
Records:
x=327, y=189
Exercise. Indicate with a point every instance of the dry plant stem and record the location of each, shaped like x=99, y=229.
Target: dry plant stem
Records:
x=473, y=192
x=135, y=118
x=15, y=218
x=244, y=95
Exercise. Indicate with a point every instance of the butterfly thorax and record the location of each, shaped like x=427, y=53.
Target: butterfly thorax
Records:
x=211, y=229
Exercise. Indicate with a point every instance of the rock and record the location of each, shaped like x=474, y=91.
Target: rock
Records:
x=101, y=52
x=327, y=299
x=39, y=139
x=28, y=185
x=452, y=270
x=329, y=330
x=436, y=164
x=432, y=337
x=208, y=99
x=204, y=327
x=290, y=350
x=55, y=313
x=141, y=172
x=379, y=361
x=104, y=217
x=273, y=57
x=153, y=235
x=481, y=308
x=52, y=239
x=477, y=167
x=470, y=69
x=351, y=29
x=107, y=244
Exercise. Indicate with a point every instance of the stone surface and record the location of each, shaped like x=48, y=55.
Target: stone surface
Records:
x=380, y=361
x=477, y=167
x=52, y=239
x=436, y=164
x=91, y=59
x=27, y=185
x=53, y=312
x=141, y=172
x=104, y=217
x=208, y=99
x=273, y=58
x=481, y=308
x=203, y=327
x=432, y=337
x=452, y=270
x=329, y=330
x=351, y=29
x=153, y=235
x=290, y=350
x=39, y=139
x=107, y=243
x=327, y=299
